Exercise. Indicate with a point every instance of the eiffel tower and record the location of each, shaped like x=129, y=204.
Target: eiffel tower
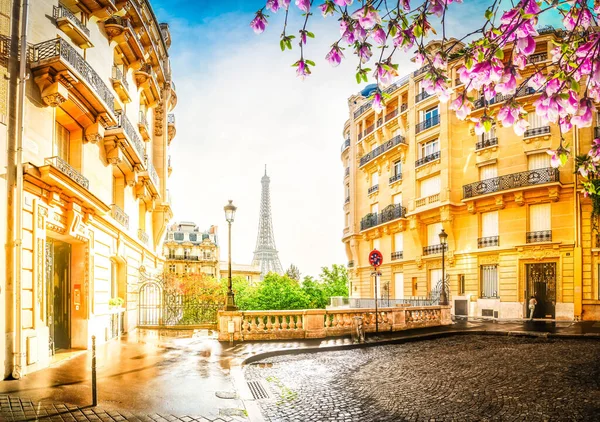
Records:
x=265, y=254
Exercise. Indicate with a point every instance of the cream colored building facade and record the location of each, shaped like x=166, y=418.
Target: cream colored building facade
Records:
x=516, y=227
x=95, y=204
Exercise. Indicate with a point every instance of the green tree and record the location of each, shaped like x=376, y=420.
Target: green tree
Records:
x=335, y=280
x=276, y=292
x=293, y=272
x=317, y=298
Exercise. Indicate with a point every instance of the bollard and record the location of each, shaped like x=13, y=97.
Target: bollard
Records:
x=94, y=391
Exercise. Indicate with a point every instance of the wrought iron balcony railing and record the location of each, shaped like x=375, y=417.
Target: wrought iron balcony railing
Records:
x=350, y=264
x=486, y=242
x=117, y=74
x=395, y=178
x=396, y=140
x=153, y=175
x=537, y=131
x=379, y=121
x=485, y=143
x=481, y=102
x=119, y=215
x=59, y=48
x=403, y=108
x=511, y=181
x=433, y=249
x=427, y=158
x=397, y=255
x=345, y=144
x=539, y=236
x=421, y=96
x=143, y=118
x=369, y=129
x=143, y=236
x=373, y=189
x=420, y=71
x=131, y=133
x=426, y=124
x=389, y=213
x=536, y=58
x=391, y=115
x=62, y=12
x=171, y=118
x=363, y=108
x=64, y=167
x=347, y=171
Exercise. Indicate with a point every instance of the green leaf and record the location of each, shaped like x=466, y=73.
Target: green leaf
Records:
x=574, y=85
x=487, y=125
x=417, y=31
x=358, y=78
x=364, y=76
x=499, y=54
x=563, y=159
x=282, y=45
x=288, y=43
x=489, y=14
x=469, y=62
x=310, y=62
x=393, y=31
x=310, y=34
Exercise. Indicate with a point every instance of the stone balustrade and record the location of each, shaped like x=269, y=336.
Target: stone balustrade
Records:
x=322, y=323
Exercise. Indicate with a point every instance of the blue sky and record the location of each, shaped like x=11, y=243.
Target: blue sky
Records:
x=240, y=106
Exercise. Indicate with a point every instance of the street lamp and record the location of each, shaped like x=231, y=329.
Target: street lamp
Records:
x=443, y=242
x=229, y=216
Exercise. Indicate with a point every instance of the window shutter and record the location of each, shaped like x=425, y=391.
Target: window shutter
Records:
x=375, y=208
x=540, y=217
x=538, y=161
x=399, y=285
x=435, y=276
x=534, y=120
x=374, y=179
x=489, y=281
x=397, y=199
x=433, y=232
x=376, y=244
x=488, y=172
x=489, y=224
x=398, y=242
x=430, y=186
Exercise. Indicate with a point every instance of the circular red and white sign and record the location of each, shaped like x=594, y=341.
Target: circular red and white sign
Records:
x=375, y=258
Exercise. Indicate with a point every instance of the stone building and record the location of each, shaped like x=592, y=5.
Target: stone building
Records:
x=516, y=226
x=93, y=204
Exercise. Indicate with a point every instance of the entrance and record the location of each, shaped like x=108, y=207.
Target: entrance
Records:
x=58, y=293
x=541, y=283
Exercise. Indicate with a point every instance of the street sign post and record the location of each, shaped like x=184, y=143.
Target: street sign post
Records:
x=376, y=259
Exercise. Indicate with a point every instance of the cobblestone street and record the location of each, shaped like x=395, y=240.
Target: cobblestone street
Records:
x=460, y=378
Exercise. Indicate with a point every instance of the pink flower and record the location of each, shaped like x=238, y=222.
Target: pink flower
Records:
x=442, y=90
x=439, y=62
x=302, y=69
x=406, y=5
x=343, y=3
x=378, y=35
x=569, y=21
x=583, y=118
x=303, y=5
x=364, y=52
x=521, y=126
x=565, y=124
x=273, y=5
x=536, y=81
x=326, y=9
x=359, y=33
x=462, y=107
x=419, y=59
x=385, y=73
x=530, y=7
x=436, y=7
x=508, y=83
x=526, y=45
x=519, y=60
x=510, y=16
x=508, y=114
x=335, y=56
x=554, y=159
x=377, y=103
x=552, y=86
x=259, y=23
x=367, y=17
x=488, y=92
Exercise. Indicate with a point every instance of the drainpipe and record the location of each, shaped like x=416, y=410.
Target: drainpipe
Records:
x=577, y=250
x=18, y=206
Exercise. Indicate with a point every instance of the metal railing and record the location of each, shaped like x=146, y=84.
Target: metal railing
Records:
x=373, y=189
x=360, y=135
x=545, y=29
x=143, y=236
x=421, y=96
x=481, y=101
x=369, y=129
x=433, y=249
x=143, y=119
x=59, y=48
x=397, y=255
x=131, y=132
x=427, y=158
x=486, y=242
x=396, y=140
x=62, y=12
x=389, y=213
x=64, y=167
x=539, y=236
x=485, y=143
x=391, y=115
x=395, y=178
x=345, y=144
x=537, y=131
x=347, y=171
x=119, y=215
x=149, y=70
x=350, y=264
x=363, y=108
x=420, y=71
x=347, y=200
x=153, y=175
x=536, y=58
x=511, y=181
x=403, y=108
x=385, y=302
x=426, y=124
x=379, y=121
x=171, y=118
x=118, y=75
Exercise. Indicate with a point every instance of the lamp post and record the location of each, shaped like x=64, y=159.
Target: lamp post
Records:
x=229, y=216
x=443, y=242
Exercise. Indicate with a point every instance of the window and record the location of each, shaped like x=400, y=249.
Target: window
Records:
x=62, y=142
x=373, y=146
x=374, y=179
x=347, y=191
x=538, y=161
x=399, y=285
x=435, y=278
x=430, y=147
x=374, y=208
x=398, y=242
x=431, y=116
x=186, y=268
x=179, y=236
x=172, y=268
x=433, y=233
x=489, y=224
x=397, y=171
x=489, y=281
x=193, y=237
x=347, y=219
x=376, y=244
x=430, y=186
x=488, y=172
x=540, y=217
x=534, y=120
x=486, y=136
x=186, y=253
x=397, y=199
x=170, y=236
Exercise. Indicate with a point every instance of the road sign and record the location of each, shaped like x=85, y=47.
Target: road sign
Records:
x=375, y=258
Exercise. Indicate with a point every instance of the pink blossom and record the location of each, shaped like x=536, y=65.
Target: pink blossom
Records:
x=509, y=16
x=565, y=124
x=406, y=5
x=489, y=92
x=569, y=21
x=536, y=81
x=526, y=45
x=439, y=62
x=419, y=59
x=364, y=52
x=385, y=73
x=519, y=60
x=554, y=159
x=521, y=126
x=359, y=33
x=377, y=103
x=273, y=5
x=335, y=56
x=378, y=35
x=347, y=32
x=442, y=90
x=367, y=17
x=303, y=5
x=530, y=7
x=552, y=86
x=326, y=9
x=568, y=105
x=508, y=114
x=302, y=70
x=462, y=107
x=583, y=118
x=508, y=83
x=436, y=7
x=343, y=3
x=259, y=23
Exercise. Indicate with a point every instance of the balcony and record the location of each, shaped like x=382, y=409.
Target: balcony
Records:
x=539, y=236
x=171, y=127
x=486, y=242
x=145, y=78
x=173, y=98
x=426, y=124
x=421, y=96
x=347, y=201
x=397, y=255
x=64, y=167
x=189, y=258
x=347, y=172
x=143, y=126
x=373, y=189
x=124, y=130
x=431, y=199
x=434, y=249
x=362, y=109
x=100, y=8
x=120, y=30
x=120, y=85
x=381, y=149
x=403, y=108
x=511, y=181
x=427, y=159
x=481, y=102
x=395, y=178
x=169, y=167
x=389, y=213
x=537, y=58
x=486, y=143
x=391, y=115
x=119, y=215
x=350, y=264
x=537, y=131
x=143, y=236
x=369, y=130
x=345, y=145
x=58, y=68
x=72, y=26
x=420, y=71
x=152, y=175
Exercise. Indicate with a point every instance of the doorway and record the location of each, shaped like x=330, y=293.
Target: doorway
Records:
x=541, y=283
x=58, y=293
